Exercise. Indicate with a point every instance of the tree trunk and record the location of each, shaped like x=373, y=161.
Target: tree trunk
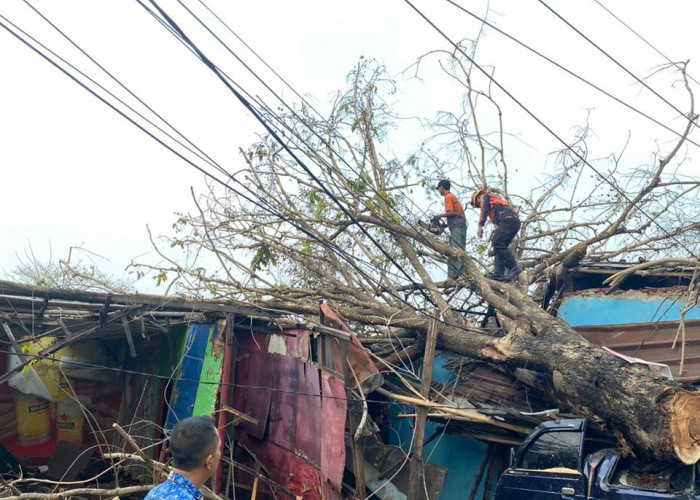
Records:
x=658, y=418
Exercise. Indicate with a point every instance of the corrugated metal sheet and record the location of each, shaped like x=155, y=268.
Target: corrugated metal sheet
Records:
x=652, y=342
x=300, y=435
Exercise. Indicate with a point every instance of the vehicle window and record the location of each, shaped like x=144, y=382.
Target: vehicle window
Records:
x=553, y=450
x=660, y=477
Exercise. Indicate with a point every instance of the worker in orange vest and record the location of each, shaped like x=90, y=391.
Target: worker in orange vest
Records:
x=507, y=223
x=454, y=213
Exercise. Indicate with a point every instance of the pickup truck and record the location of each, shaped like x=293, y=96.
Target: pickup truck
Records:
x=565, y=460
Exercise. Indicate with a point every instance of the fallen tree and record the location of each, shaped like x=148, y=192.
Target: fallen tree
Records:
x=343, y=231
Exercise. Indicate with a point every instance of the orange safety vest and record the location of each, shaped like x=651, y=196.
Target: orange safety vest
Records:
x=497, y=209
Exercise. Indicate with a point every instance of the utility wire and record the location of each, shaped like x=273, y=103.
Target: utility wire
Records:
x=102, y=99
x=156, y=376
x=675, y=63
x=620, y=65
x=300, y=119
x=546, y=127
x=351, y=260
x=568, y=71
x=193, y=149
x=274, y=134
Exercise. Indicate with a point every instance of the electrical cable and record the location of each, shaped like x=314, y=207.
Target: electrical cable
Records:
x=568, y=71
x=547, y=128
x=322, y=139
x=199, y=152
x=620, y=65
x=205, y=60
x=84, y=364
x=102, y=99
x=253, y=200
x=210, y=161
x=649, y=44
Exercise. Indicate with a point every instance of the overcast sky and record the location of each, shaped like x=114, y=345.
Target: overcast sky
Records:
x=75, y=173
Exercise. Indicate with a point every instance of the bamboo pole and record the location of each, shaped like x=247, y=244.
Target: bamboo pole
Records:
x=416, y=470
x=466, y=415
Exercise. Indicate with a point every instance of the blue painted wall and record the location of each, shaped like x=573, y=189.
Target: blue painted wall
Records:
x=636, y=307
x=461, y=456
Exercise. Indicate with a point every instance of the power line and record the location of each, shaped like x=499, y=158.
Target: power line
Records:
x=199, y=153
x=568, y=71
x=152, y=375
x=546, y=127
x=274, y=134
x=644, y=39
x=323, y=140
x=639, y=80
x=102, y=99
x=268, y=207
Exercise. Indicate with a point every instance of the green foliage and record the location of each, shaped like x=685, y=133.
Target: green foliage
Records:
x=307, y=249
x=161, y=278
x=317, y=203
x=262, y=258
x=360, y=185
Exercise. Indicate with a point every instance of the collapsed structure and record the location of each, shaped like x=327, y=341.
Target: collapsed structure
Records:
x=305, y=410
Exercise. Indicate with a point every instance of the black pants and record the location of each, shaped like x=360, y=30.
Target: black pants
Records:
x=502, y=236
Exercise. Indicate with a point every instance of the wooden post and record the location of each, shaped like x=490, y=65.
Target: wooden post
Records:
x=255, y=489
x=15, y=344
x=358, y=461
x=492, y=473
x=416, y=473
x=480, y=474
x=129, y=338
x=228, y=365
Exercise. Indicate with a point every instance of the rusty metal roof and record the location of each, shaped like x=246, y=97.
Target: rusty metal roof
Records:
x=653, y=342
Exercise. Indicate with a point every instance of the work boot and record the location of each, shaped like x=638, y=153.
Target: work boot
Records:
x=494, y=276
x=511, y=274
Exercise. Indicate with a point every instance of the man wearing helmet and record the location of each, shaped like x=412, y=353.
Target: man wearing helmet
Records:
x=454, y=213
x=507, y=223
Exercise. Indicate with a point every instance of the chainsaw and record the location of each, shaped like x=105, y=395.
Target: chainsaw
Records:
x=435, y=226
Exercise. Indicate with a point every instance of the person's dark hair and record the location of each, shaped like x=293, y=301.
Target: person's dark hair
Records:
x=444, y=183
x=191, y=441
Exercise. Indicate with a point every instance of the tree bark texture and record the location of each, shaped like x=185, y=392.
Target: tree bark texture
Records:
x=656, y=417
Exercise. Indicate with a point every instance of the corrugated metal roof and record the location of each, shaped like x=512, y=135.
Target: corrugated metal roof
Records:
x=652, y=342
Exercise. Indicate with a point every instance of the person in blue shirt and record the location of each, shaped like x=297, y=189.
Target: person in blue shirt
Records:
x=195, y=448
